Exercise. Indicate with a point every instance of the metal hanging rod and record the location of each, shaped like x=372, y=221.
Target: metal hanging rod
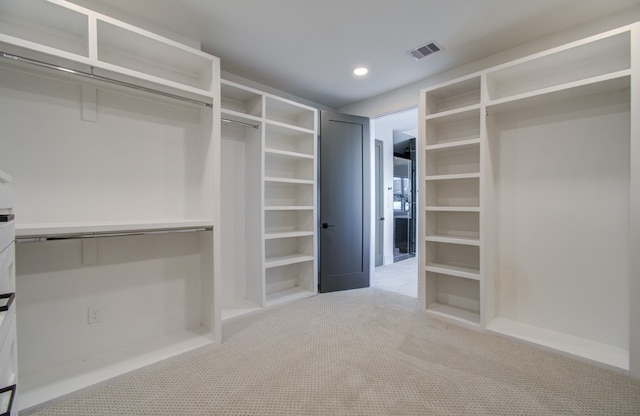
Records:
x=240, y=123
x=55, y=237
x=91, y=75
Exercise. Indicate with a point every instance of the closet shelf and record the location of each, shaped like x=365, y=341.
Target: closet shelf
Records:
x=288, y=234
x=451, y=209
x=453, y=313
x=289, y=208
x=240, y=117
x=289, y=180
x=289, y=126
x=607, y=83
x=452, y=176
x=34, y=231
x=151, y=81
x=600, y=54
x=286, y=260
x=95, y=71
x=233, y=308
x=452, y=240
x=451, y=270
x=455, y=113
x=453, y=145
x=288, y=154
x=607, y=354
x=287, y=295
x=32, y=50
x=240, y=99
x=452, y=95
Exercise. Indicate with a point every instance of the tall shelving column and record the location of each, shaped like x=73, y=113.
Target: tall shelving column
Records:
x=290, y=194
x=450, y=119
x=269, y=188
x=242, y=115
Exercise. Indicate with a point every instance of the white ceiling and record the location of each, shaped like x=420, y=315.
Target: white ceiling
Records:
x=308, y=48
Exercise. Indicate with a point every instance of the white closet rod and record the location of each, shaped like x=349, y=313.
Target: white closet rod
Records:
x=91, y=75
x=54, y=237
x=240, y=123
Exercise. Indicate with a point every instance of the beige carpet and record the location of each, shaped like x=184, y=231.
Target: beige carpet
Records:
x=362, y=352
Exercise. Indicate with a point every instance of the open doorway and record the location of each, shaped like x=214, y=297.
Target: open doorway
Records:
x=404, y=197
x=395, y=197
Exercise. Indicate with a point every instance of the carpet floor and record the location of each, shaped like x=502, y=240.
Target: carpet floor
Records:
x=361, y=352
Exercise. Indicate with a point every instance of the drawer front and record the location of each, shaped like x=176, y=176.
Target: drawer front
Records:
x=8, y=270
x=7, y=327
x=6, y=197
x=9, y=357
x=7, y=234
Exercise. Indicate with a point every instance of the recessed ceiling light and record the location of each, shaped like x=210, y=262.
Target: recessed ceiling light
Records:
x=360, y=71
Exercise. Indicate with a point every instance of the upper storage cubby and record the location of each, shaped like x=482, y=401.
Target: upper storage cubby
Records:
x=120, y=45
x=581, y=62
x=452, y=129
x=289, y=113
x=457, y=193
x=45, y=24
x=63, y=34
x=240, y=99
x=289, y=140
x=283, y=165
x=456, y=95
x=453, y=160
x=282, y=195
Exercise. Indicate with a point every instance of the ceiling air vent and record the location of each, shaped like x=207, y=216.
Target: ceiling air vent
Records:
x=424, y=50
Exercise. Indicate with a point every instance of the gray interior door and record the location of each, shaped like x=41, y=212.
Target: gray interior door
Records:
x=345, y=202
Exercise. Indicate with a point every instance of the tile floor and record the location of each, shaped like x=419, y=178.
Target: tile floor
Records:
x=400, y=277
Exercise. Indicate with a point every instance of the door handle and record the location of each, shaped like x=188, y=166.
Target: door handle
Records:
x=325, y=225
x=381, y=218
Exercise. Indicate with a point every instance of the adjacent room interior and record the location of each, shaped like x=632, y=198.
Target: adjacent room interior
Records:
x=395, y=200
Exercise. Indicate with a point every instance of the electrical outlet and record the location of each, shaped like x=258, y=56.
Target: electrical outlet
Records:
x=93, y=316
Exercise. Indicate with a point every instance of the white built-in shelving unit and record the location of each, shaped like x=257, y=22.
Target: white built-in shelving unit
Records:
x=450, y=180
x=528, y=199
x=269, y=199
x=8, y=336
x=115, y=161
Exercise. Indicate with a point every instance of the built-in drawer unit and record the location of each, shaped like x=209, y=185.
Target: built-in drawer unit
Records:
x=8, y=347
